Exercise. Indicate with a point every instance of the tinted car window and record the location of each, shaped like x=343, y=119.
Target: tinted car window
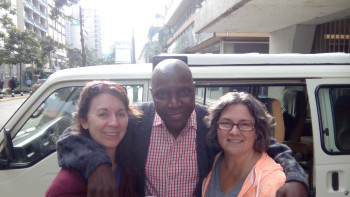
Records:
x=37, y=138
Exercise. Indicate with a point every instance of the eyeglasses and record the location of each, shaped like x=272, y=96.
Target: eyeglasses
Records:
x=242, y=126
x=100, y=87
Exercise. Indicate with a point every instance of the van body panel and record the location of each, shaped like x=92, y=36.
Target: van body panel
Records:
x=330, y=170
x=270, y=72
x=31, y=181
x=264, y=75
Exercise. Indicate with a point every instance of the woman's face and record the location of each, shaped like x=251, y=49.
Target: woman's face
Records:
x=107, y=120
x=235, y=141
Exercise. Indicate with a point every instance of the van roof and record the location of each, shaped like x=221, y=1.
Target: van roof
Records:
x=264, y=59
x=225, y=66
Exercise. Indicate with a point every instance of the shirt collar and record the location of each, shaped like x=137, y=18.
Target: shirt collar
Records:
x=191, y=122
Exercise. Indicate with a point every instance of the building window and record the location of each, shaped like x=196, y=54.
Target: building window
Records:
x=333, y=36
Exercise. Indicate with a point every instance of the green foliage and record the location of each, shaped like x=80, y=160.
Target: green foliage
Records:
x=5, y=20
x=5, y=4
x=157, y=41
x=21, y=47
x=75, y=60
x=25, y=47
x=25, y=89
x=56, y=11
x=74, y=57
x=109, y=60
x=47, y=46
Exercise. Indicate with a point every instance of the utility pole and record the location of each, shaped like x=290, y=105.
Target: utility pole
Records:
x=83, y=54
x=133, y=58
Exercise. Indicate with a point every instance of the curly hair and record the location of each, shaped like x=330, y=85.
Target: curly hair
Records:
x=263, y=120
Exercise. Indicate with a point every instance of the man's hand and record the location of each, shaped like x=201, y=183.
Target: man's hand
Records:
x=291, y=189
x=102, y=183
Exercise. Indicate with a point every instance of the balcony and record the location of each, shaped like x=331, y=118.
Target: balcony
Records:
x=35, y=9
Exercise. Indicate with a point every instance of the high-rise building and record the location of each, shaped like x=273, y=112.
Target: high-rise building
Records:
x=123, y=52
x=93, y=27
x=91, y=30
x=34, y=15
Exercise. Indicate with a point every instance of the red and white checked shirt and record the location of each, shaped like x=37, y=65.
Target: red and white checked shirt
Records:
x=171, y=166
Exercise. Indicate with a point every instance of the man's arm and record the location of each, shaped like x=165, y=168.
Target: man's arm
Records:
x=85, y=155
x=294, y=172
x=80, y=153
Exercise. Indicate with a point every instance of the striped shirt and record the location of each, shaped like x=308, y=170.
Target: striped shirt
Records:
x=171, y=166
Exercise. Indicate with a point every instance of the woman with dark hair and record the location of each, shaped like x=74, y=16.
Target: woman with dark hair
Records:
x=103, y=114
x=240, y=128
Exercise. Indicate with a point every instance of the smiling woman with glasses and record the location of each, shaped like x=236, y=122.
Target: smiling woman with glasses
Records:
x=240, y=128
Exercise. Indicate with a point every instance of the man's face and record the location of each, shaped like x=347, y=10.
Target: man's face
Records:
x=173, y=96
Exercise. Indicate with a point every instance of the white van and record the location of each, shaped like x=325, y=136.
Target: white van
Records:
x=309, y=96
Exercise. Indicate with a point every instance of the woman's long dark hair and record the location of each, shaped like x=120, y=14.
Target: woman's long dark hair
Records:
x=125, y=149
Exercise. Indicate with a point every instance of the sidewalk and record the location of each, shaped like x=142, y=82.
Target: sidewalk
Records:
x=17, y=96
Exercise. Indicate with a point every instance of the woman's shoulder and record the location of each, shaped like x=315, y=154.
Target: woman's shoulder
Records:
x=67, y=182
x=269, y=176
x=268, y=164
x=271, y=173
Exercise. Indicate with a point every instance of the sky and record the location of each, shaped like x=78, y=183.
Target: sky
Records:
x=119, y=18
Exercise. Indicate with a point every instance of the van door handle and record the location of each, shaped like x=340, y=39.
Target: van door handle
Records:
x=335, y=181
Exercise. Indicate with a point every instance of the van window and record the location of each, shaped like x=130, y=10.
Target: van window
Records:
x=292, y=98
x=208, y=95
x=334, y=105
x=135, y=93
x=37, y=137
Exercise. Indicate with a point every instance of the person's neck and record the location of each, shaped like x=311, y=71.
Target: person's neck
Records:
x=112, y=155
x=175, y=133
x=239, y=166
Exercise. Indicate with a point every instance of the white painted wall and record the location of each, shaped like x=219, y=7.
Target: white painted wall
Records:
x=293, y=39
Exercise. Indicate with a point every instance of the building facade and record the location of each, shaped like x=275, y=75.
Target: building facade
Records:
x=304, y=26
x=91, y=30
x=33, y=15
x=92, y=24
x=262, y=26
x=123, y=52
x=180, y=19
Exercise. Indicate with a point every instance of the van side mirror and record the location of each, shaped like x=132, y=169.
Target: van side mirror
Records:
x=8, y=151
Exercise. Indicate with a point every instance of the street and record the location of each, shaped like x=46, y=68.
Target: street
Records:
x=8, y=107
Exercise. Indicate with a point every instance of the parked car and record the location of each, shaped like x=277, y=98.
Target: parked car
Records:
x=37, y=84
x=308, y=95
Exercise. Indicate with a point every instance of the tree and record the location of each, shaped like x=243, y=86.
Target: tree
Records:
x=21, y=47
x=157, y=41
x=5, y=24
x=56, y=11
x=74, y=57
x=47, y=46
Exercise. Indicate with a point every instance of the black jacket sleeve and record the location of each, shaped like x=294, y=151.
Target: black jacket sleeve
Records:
x=282, y=155
x=80, y=153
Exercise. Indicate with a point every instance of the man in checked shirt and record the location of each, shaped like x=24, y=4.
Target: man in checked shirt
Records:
x=171, y=155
